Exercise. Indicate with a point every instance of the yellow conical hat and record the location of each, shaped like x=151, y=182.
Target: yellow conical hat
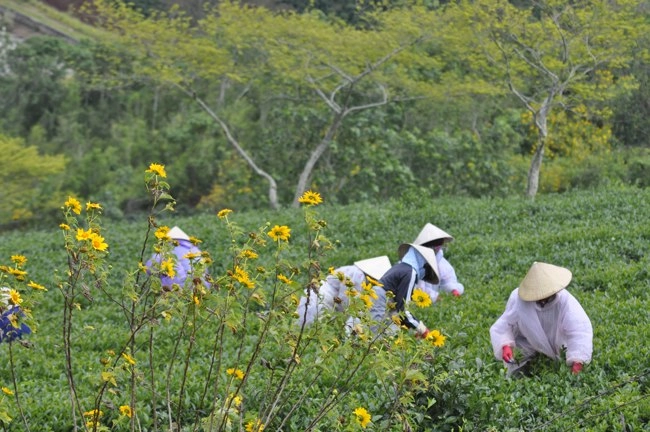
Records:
x=429, y=233
x=177, y=234
x=374, y=267
x=543, y=280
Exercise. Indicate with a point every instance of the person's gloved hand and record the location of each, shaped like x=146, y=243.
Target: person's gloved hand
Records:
x=421, y=331
x=507, y=354
x=576, y=368
x=455, y=293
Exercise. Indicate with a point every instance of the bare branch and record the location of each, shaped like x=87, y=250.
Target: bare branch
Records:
x=525, y=99
x=330, y=102
x=384, y=101
x=565, y=46
x=345, y=76
x=273, y=187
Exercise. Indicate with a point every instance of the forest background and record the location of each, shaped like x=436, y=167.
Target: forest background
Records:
x=248, y=107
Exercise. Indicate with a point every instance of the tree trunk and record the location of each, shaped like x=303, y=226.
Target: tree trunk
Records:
x=535, y=168
x=273, y=186
x=540, y=118
x=315, y=155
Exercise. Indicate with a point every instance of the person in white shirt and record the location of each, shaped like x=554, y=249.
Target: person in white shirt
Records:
x=390, y=310
x=542, y=317
x=332, y=292
x=434, y=238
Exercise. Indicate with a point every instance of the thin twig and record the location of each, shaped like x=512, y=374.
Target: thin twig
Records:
x=15, y=383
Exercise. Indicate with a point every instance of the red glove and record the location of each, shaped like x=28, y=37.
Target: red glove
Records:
x=576, y=368
x=421, y=332
x=455, y=293
x=507, y=354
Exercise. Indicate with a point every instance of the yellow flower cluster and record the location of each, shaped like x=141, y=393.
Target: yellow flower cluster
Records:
x=235, y=400
x=368, y=288
x=224, y=213
x=93, y=417
x=19, y=260
x=421, y=298
x=130, y=360
x=374, y=282
x=280, y=233
x=36, y=286
x=162, y=233
x=249, y=254
x=73, y=204
x=168, y=267
x=351, y=292
x=436, y=338
x=96, y=241
x=93, y=206
x=310, y=198
x=14, y=297
x=237, y=373
x=241, y=276
x=362, y=416
x=157, y=169
x=367, y=300
x=282, y=278
x=125, y=410
x=192, y=255
x=254, y=426
x=16, y=272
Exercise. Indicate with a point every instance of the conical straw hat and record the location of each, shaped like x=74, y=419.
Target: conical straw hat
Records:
x=429, y=233
x=177, y=234
x=374, y=267
x=543, y=280
x=430, y=257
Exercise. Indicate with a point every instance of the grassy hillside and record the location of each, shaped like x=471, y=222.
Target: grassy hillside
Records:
x=45, y=15
x=601, y=236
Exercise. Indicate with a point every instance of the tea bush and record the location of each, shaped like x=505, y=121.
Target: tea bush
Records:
x=315, y=378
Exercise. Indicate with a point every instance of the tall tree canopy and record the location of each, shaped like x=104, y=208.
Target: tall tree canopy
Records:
x=29, y=181
x=238, y=53
x=552, y=53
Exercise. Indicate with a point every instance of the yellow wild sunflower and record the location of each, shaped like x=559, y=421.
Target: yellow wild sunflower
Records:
x=420, y=298
x=73, y=204
x=125, y=410
x=223, y=213
x=436, y=338
x=280, y=233
x=362, y=416
x=310, y=198
x=157, y=169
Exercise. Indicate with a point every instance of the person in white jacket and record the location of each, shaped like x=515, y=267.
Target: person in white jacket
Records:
x=541, y=316
x=434, y=238
x=331, y=294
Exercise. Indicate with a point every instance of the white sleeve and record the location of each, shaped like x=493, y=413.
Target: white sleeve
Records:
x=429, y=288
x=308, y=311
x=503, y=330
x=578, y=331
x=448, y=279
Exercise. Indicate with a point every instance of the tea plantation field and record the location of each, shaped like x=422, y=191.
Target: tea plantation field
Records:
x=603, y=237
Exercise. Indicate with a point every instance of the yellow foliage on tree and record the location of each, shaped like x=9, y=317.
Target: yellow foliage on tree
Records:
x=575, y=136
x=27, y=180
x=554, y=53
x=289, y=56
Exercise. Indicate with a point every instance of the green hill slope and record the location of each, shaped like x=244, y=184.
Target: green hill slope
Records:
x=37, y=18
